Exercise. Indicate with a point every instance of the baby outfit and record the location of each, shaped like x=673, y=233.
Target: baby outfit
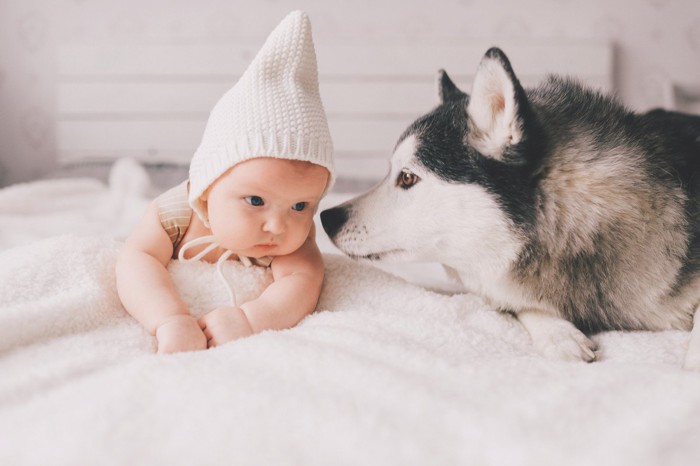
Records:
x=175, y=213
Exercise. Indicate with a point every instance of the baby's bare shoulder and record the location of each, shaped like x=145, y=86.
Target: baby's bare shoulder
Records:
x=150, y=237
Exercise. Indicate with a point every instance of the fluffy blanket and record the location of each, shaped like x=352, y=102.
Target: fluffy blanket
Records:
x=385, y=372
x=37, y=210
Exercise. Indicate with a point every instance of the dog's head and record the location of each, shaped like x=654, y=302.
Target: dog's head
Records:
x=458, y=181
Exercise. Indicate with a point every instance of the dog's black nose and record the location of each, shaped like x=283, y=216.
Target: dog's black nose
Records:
x=333, y=219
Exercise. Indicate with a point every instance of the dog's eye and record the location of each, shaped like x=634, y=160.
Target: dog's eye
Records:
x=407, y=179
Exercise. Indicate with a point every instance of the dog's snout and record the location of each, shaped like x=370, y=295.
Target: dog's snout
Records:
x=333, y=219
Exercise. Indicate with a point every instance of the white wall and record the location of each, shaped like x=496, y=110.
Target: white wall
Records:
x=658, y=44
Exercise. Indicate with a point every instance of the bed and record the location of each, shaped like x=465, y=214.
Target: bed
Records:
x=396, y=366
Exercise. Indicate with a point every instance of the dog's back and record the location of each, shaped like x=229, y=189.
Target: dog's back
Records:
x=616, y=238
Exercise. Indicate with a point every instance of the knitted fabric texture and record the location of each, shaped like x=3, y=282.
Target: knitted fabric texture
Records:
x=274, y=110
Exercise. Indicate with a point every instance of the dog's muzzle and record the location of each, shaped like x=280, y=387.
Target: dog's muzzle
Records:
x=333, y=219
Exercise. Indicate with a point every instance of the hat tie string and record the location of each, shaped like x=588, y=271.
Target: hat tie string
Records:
x=219, y=263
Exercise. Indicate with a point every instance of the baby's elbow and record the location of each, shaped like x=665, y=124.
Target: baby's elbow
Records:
x=122, y=262
x=125, y=265
x=313, y=276
x=314, y=287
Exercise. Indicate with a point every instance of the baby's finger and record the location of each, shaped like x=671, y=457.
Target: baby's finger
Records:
x=202, y=323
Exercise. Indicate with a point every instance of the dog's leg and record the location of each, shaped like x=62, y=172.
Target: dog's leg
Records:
x=692, y=356
x=556, y=338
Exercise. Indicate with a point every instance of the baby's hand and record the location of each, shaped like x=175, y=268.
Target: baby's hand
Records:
x=225, y=324
x=180, y=333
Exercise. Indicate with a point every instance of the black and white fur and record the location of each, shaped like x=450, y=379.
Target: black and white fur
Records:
x=554, y=203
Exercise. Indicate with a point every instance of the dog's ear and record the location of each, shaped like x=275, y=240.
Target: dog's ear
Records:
x=447, y=90
x=496, y=108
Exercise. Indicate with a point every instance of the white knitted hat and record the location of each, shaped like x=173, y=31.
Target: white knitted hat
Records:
x=274, y=110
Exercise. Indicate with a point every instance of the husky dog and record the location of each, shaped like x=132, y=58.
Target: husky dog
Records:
x=554, y=203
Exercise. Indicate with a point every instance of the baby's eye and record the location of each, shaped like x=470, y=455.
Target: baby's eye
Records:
x=299, y=206
x=256, y=201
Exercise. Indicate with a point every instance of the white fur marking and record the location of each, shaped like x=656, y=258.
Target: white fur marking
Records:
x=404, y=153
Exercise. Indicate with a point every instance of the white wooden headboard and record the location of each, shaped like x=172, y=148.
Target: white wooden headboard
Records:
x=152, y=102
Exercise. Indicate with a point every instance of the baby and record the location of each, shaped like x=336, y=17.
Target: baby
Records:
x=255, y=182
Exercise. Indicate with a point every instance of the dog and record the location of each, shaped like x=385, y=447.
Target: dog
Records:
x=555, y=204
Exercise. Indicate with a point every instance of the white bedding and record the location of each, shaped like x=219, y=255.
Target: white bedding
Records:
x=385, y=372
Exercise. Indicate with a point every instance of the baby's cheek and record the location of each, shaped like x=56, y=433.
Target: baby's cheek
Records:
x=294, y=241
x=302, y=236
x=232, y=234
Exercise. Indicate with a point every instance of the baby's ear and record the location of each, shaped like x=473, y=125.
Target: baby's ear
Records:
x=204, y=206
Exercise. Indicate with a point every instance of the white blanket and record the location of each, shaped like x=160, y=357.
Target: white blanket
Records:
x=385, y=372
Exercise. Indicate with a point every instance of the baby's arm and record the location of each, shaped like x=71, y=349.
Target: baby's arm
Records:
x=292, y=296
x=147, y=292
x=294, y=293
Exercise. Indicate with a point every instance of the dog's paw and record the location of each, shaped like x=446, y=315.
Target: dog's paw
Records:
x=567, y=345
x=558, y=339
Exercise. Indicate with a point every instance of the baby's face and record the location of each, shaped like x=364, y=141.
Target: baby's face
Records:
x=265, y=206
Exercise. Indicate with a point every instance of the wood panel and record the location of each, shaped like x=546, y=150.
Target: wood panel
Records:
x=152, y=102
x=362, y=145
x=580, y=58
x=187, y=99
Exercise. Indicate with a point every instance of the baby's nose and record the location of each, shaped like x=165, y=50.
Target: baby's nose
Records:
x=274, y=224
